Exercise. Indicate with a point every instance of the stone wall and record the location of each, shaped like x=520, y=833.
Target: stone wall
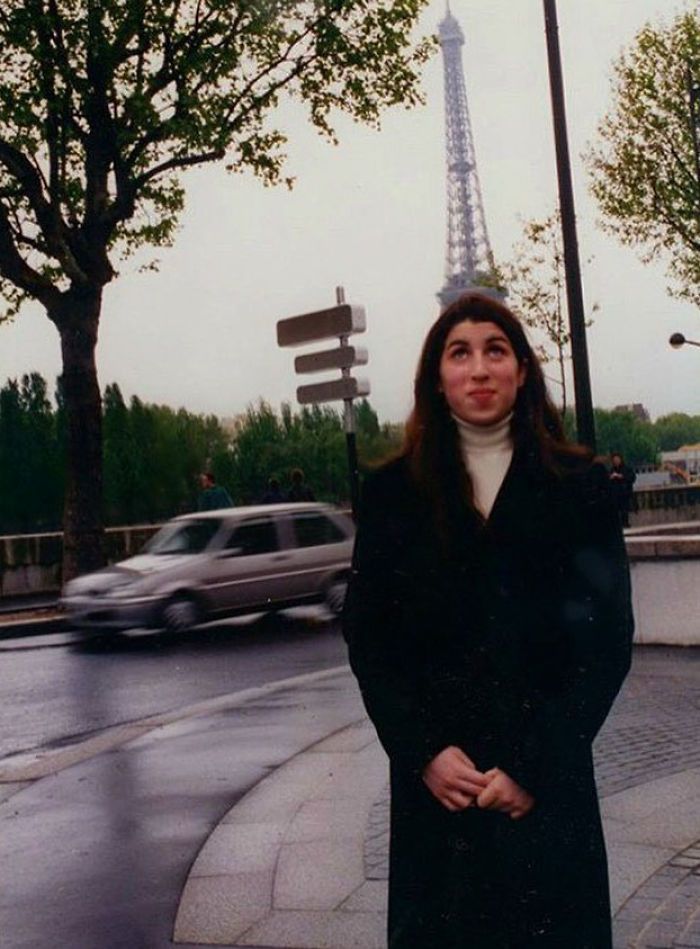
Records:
x=667, y=504
x=665, y=571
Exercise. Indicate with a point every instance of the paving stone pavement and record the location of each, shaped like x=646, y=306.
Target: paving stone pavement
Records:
x=652, y=732
x=665, y=911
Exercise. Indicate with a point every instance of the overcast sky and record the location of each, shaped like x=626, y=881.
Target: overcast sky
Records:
x=370, y=214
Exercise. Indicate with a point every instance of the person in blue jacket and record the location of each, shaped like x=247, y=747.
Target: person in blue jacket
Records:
x=212, y=496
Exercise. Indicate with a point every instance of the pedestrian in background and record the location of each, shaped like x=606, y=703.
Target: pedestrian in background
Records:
x=622, y=479
x=489, y=625
x=274, y=494
x=213, y=495
x=299, y=491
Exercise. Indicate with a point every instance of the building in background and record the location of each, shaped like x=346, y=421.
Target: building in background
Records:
x=634, y=408
x=684, y=463
x=233, y=425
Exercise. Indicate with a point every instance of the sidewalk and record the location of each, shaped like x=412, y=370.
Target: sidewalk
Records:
x=301, y=860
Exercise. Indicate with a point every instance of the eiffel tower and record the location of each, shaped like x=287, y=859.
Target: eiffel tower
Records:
x=468, y=260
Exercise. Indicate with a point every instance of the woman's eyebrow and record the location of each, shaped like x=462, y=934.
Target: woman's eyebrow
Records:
x=496, y=338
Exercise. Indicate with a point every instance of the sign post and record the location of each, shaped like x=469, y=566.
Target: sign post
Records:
x=349, y=425
x=338, y=322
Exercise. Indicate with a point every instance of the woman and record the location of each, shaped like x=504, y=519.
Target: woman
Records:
x=489, y=626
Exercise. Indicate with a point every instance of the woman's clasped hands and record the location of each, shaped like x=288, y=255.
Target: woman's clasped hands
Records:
x=453, y=778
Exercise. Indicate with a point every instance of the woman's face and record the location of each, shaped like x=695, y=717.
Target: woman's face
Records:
x=479, y=373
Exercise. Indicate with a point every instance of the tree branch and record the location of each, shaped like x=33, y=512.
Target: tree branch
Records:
x=62, y=60
x=49, y=221
x=681, y=164
x=185, y=162
x=25, y=174
x=300, y=63
x=217, y=154
x=15, y=268
x=193, y=42
x=130, y=27
x=672, y=222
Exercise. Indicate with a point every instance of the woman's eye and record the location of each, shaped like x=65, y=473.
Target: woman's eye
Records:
x=497, y=351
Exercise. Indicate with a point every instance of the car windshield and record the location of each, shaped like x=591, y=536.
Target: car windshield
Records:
x=186, y=537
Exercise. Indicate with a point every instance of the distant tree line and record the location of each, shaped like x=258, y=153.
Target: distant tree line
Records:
x=32, y=442
x=153, y=454
x=269, y=445
x=639, y=441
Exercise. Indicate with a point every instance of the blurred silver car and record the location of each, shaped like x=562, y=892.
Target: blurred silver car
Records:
x=219, y=563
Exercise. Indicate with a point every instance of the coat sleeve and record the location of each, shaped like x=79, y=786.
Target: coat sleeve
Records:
x=385, y=665
x=596, y=616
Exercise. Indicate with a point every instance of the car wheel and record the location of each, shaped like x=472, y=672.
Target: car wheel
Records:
x=181, y=613
x=335, y=595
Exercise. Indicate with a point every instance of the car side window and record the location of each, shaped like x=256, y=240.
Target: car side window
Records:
x=254, y=537
x=313, y=530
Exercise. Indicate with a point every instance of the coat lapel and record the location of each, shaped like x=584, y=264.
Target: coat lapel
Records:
x=521, y=496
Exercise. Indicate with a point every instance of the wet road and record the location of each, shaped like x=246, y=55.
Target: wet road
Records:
x=95, y=856
x=54, y=693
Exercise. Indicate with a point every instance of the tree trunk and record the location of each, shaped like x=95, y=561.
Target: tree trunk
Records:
x=83, y=531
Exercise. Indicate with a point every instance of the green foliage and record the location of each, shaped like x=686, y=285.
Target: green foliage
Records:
x=103, y=105
x=375, y=442
x=677, y=429
x=639, y=442
x=270, y=446
x=492, y=279
x=153, y=455
x=623, y=432
x=31, y=478
x=642, y=169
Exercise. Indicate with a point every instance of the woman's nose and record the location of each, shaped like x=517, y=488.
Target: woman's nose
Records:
x=479, y=367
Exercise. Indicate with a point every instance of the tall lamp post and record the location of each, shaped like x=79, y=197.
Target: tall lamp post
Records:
x=676, y=340
x=585, y=424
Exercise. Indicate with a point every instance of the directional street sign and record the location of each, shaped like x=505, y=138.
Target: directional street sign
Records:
x=322, y=324
x=338, y=322
x=342, y=358
x=345, y=388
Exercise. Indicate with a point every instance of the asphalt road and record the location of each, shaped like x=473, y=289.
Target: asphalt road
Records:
x=95, y=855
x=52, y=693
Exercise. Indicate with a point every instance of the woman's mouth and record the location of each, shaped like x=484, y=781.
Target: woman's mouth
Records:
x=481, y=395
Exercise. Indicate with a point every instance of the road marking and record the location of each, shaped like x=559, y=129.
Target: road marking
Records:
x=30, y=766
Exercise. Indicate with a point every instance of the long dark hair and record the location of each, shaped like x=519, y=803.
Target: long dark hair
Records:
x=431, y=445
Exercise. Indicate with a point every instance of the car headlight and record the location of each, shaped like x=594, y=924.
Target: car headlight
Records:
x=70, y=588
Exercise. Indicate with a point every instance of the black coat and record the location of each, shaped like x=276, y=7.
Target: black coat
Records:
x=512, y=649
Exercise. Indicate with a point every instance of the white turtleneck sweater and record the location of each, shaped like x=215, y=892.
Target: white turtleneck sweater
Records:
x=486, y=451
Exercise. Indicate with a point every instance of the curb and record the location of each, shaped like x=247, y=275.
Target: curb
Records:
x=36, y=626
x=32, y=765
x=285, y=866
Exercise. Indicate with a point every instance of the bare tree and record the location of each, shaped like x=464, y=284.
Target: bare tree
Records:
x=536, y=282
